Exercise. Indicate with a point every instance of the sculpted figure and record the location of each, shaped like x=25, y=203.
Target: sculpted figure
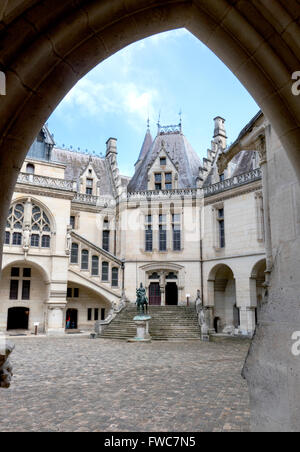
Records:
x=26, y=237
x=5, y=366
x=142, y=300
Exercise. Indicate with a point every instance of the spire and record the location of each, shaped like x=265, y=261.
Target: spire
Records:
x=146, y=144
x=220, y=136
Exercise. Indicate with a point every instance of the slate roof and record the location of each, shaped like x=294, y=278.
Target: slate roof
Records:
x=179, y=150
x=76, y=163
x=148, y=141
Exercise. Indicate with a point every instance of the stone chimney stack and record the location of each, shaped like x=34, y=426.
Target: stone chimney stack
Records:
x=220, y=136
x=111, y=147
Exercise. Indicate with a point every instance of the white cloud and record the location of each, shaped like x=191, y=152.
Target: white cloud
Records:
x=94, y=99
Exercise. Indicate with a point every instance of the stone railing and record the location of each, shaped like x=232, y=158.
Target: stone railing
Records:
x=162, y=194
x=82, y=198
x=233, y=182
x=46, y=182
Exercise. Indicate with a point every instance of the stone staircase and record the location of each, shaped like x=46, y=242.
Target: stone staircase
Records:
x=168, y=323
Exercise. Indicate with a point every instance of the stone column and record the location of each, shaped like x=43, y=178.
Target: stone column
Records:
x=247, y=320
x=56, y=326
x=262, y=150
x=243, y=302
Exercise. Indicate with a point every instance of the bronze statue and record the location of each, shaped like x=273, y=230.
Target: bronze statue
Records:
x=142, y=300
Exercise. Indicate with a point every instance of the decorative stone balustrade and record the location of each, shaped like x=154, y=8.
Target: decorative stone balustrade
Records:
x=233, y=182
x=46, y=182
x=162, y=194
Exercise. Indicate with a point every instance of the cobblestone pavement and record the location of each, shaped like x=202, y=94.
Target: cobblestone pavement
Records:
x=79, y=384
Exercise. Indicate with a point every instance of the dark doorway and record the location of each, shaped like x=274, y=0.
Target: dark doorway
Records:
x=18, y=319
x=154, y=294
x=72, y=319
x=217, y=324
x=171, y=294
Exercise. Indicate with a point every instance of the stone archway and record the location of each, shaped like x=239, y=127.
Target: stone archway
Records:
x=47, y=47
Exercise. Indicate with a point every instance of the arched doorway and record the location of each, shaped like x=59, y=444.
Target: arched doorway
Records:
x=223, y=291
x=18, y=318
x=72, y=319
x=154, y=294
x=171, y=294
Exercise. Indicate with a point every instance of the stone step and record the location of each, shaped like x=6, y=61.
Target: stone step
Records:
x=174, y=323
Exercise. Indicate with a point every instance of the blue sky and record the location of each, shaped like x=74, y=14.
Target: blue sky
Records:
x=163, y=74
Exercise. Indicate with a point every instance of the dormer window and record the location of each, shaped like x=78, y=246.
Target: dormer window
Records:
x=30, y=168
x=163, y=161
x=89, y=186
x=158, y=181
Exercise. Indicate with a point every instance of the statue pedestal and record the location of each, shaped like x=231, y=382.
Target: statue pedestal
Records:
x=142, y=329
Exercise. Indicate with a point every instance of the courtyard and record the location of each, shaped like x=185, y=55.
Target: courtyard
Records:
x=78, y=384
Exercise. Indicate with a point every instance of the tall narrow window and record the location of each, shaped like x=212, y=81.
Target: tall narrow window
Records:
x=162, y=233
x=158, y=181
x=95, y=266
x=72, y=221
x=84, y=260
x=115, y=277
x=89, y=314
x=26, y=289
x=148, y=233
x=89, y=186
x=105, y=268
x=46, y=241
x=74, y=253
x=176, y=226
x=17, y=238
x=105, y=244
x=14, y=289
x=35, y=240
x=168, y=181
x=7, y=238
x=221, y=223
x=96, y=314
x=102, y=313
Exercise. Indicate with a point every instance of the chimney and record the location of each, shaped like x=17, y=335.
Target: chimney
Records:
x=220, y=136
x=111, y=147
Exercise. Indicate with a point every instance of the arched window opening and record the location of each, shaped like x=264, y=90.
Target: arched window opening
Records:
x=95, y=266
x=105, y=267
x=30, y=168
x=74, y=253
x=115, y=277
x=84, y=260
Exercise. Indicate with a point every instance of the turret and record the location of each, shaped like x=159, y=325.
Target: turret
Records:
x=220, y=136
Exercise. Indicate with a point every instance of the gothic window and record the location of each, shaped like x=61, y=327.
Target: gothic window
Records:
x=105, y=235
x=105, y=268
x=148, y=233
x=40, y=225
x=14, y=224
x=74, y=253
x=162, y=233
x=163, y=161
x=115, y=277
x=171, y=275
x=84, y=260
x=176, y=226
x=95, y=266
x=72, y=221
x=20, y=281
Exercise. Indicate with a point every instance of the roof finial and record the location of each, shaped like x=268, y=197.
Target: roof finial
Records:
x=180, y=119
x=148, y=124
x=158, y=122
